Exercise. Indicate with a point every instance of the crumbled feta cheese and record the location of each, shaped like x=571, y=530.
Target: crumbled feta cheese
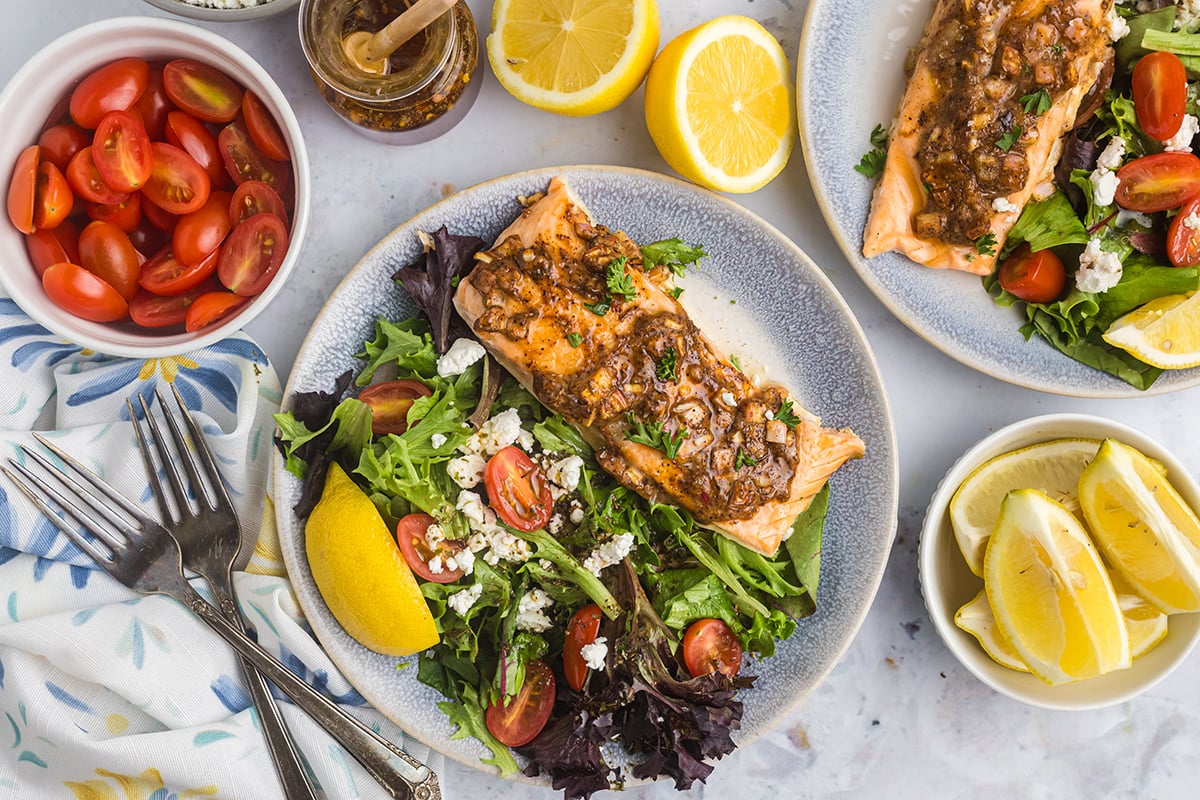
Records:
x=546, y=564
x=531, y=614
x=466, y=471
x=496, y=434
x=462, y=354
x=479, y=517
x=1118, y=28
x=1191, y=221
x=608, y=552
x=555, y=525
x=434, y=535
x=503, y=546
x=594, y=653
x=466, y=561
x=1098, y=270
x=1187, y=15
x=478, y=541
x=435, y=565
x=576, y=514
x=1003, y=205
x=437, y=440
x=462, y=600
x=728, y=399
x=1104, y=186
x=566, y=472
x=526, y=441
x=1110, y=157
x=1181, y=142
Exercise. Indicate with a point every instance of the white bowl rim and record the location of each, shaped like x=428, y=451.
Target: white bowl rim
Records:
x=129, y=344
x=210, y=14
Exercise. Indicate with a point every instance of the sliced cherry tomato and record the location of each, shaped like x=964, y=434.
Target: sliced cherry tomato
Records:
x=148, y=239
x=164, y=274
x=121, y=151
x=1034, y=277
x=189, y=135
x=86, y=182
x=50, y=246
x=710, y=644
x=262, y=128
x=390, y=402
x=155, y=311
x=154, y=105
x=252, y=254
x=53, y=200
x=105, y=250
x=419, y=553
x=1183, y=235
x=1160, y=94
x=82, y=293
x=201, y=90
x=113, y=87
x=245, y=162
x=518, y=720
x=518, y=492
x=211, y=308
x=22, y=189
x=159, y=217
x=581, y=630
x=255, y=197
x=126, y=215
x=201, y=232
x=61, y=142
x=1158, y=182
x=177, y=184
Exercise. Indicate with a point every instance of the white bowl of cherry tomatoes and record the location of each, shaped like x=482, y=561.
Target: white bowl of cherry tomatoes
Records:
x=159, y=187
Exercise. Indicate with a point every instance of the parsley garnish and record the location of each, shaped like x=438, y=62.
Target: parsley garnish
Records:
x=675, y=292
x=1006, y=141
x=454, y=281
x=574, y=339
x=1036, y=103
x=871, y=163
x=986, y=244
x=619, y=281
x=785, y=415
x=1056, y=48
x=599, y=309
x=879, y=137
x=667, y=365
x=744, y=460
x=737, y=363
x=653, y=435
x=674, y=254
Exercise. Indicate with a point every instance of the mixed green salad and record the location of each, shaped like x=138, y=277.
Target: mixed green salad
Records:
x=571, y=612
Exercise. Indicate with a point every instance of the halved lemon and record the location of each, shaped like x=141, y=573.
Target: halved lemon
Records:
x=1143, y=527
x=573, y=57
x=1050, y=594
x=720, y=105
x=1164, y=333
x=975, y=617
x=1052, y=468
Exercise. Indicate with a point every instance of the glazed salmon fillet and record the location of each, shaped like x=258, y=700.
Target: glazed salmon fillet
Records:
x=633, y=365
x=994, y=87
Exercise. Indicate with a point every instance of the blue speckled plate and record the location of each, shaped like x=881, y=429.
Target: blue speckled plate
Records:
x=799, y=318
x=850, y=78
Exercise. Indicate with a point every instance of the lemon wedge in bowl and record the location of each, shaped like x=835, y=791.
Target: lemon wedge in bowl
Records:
x=1052, y=468
x=1147, y=625
x=1144, y=528
x=1050, y=593
x=1164, y=333
x=976, y=618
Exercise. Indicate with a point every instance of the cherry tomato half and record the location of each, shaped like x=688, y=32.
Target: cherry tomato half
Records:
x=148, y=240
x=255, y=197
x=201, y=232
x=22, y=189
x=189, y=135
x=245, y=162
x=201, y=90
x=61, y=142
x=164, y=274
x=1158, y=182
x=113, y=87
x=1034, y=277
x=87, y=183
x=121, y=151
x=74, y=289
x=126, y=215
x=1160, y=94
x=390, y=402
x=1183, y=235
x=50, y=246
x=154, y=105
x=211, y=308
x=581, y=630
x=262, y=128
x=518, y=720
x=177, y=184
x=154, y=311
x=159, y=217
x=517, y=491
x=105, y=250
x=410, y=536
x=710, y=644
x=53, y=200
x=252, y=254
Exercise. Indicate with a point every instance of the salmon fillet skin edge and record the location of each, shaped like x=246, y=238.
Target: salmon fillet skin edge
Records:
x=628, y=363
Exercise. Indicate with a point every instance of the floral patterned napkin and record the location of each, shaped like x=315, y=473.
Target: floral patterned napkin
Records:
x=107, y=695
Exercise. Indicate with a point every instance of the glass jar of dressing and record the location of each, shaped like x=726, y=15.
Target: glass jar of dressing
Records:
x=430, y=82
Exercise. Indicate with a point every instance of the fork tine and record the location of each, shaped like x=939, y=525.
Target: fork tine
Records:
x=151, y=467
x=66, y=503
x=170, y=467
x=91, y=481
x=100, y=556
x=201, y=449
x=185, y=453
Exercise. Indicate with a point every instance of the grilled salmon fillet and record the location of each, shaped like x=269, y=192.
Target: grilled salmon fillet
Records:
x=669, y=416
x=994, y=87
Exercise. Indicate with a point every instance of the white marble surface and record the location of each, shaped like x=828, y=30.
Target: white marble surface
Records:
x=898, y=718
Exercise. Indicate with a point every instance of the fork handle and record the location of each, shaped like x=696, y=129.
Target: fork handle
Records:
x=358, y=740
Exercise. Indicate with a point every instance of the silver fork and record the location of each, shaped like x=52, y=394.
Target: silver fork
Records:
x=209, y=540
x=142, y=555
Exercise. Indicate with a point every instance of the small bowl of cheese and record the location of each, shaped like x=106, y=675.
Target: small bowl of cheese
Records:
x=225, y=10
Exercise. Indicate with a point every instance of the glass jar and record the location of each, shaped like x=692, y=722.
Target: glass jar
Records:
x=431, y=82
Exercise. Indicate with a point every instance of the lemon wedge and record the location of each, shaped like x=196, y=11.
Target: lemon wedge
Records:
x=1147, y=625
x=569, y=57
x=720, y=105
x=1143, y=527
x=361, y=574
x=1052, y=468
x=1050, y=594
x=975, y=617
x=1164, y=333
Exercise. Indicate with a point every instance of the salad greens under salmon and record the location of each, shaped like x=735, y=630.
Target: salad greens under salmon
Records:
x=571, y=612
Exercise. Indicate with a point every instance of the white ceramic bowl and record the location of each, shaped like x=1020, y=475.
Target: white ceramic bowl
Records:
x=263, y=9
x=46, y=79
x=947, y=583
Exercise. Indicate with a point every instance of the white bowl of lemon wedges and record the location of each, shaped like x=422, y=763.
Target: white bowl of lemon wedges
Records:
x=1060, y=561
